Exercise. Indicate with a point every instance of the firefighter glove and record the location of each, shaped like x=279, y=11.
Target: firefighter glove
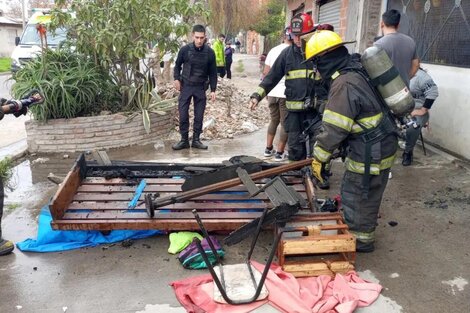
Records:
x=319, y=171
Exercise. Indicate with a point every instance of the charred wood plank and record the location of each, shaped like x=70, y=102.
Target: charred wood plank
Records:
x=188, y=205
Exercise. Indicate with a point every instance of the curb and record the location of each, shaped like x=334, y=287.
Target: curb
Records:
x=5, y=74
x=15, y=154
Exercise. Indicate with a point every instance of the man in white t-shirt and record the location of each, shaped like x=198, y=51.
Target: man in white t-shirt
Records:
x=277, y=103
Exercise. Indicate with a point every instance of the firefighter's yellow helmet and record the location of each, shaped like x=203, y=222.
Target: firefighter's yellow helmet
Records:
x=322, y=41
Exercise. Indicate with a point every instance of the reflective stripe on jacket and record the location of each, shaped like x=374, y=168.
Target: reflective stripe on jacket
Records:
x=299, y=78
x=351, y=110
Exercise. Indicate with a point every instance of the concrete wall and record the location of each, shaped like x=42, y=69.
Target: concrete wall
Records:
x=96, y=132
x=450, y=114
x=7, y=38
x=309, y=5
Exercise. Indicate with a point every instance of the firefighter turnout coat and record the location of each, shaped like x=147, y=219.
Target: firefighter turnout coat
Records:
x=351, y=111
x=299, y=78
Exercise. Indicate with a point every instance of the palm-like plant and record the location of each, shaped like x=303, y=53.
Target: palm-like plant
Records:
x=146, y=98
x=72, y=85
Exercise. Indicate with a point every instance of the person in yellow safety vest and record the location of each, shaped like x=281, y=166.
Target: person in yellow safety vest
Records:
x=219, y=48
x=300, y=85
x=354, y=114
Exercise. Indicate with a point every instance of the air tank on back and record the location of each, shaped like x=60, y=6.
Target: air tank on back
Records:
x=388, y=81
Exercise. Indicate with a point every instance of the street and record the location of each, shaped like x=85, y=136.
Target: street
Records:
x=12, y=130
x=422, y=258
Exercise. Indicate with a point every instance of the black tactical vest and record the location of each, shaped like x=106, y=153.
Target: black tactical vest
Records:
x=196, y=65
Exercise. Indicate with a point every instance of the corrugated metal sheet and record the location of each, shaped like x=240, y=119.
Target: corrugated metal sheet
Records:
x=330, y=13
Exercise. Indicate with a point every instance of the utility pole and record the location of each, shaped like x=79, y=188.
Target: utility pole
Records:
x=23, y=13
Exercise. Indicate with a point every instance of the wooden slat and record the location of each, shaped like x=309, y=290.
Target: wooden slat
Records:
x=64, y=195
x=166, y=181
x=109, y=215
x=128, y=196
x=338, y=227
x=153, y=188
x=157, y=224
x=316, y=268
x=122, y=181
x=310, y=190
x=188, y=205
x=318, y=217
x=319, y=244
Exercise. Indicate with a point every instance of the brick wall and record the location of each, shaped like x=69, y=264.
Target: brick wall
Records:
x=343, y=18
x=253, y=44
x=95, y=132
x=372, y=14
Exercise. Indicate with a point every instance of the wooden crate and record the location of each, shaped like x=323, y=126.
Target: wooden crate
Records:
x=316, y=244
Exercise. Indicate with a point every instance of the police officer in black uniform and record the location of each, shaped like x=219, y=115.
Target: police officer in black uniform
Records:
x=199, y=69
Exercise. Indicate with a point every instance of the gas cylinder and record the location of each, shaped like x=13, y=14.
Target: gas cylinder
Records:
x=388, y=81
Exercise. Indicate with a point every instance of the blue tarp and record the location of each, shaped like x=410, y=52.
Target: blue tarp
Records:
x=49, y=240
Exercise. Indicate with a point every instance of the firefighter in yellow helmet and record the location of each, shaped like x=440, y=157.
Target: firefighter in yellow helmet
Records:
x=354, y=114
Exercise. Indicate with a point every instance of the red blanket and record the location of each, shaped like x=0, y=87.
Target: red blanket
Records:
x=321, y=294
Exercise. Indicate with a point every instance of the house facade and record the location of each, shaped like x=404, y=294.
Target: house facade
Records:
x=9, y=30
x=441, y=29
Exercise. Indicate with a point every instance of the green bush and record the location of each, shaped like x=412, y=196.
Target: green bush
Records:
x=6, y=172
x=72, y=85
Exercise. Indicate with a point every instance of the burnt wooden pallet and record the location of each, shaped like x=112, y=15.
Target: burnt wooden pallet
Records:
x=96, y=203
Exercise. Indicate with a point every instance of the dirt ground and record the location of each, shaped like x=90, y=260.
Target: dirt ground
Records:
x=422, y=257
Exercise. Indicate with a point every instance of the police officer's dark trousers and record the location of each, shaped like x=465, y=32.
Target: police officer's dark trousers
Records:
x=361, y=214
x=196, y=92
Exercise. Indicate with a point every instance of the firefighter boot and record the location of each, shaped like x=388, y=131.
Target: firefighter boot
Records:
x=183, y=143
x=6, y=247
x=407, y=158
x=197, y=142
x=364, y=247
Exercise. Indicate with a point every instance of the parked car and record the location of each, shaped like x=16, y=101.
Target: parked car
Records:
x=29, y=44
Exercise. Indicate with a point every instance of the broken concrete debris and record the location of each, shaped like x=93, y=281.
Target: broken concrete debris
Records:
x=227, y=117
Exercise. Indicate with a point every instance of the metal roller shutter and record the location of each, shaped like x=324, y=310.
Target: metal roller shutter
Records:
x=330, y=13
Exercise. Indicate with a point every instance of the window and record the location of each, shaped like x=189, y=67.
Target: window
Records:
x=440, y=28
x=31, y=36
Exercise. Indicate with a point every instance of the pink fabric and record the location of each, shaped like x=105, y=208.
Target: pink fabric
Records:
x=321, y=294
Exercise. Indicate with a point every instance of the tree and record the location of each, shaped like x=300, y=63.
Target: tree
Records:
x=271, y=21
x=228, y=16
x=16, y=9
x=118, y=34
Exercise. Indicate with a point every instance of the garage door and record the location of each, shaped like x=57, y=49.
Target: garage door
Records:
x=330, y=13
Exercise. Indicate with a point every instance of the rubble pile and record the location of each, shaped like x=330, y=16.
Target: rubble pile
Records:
x=227, y=117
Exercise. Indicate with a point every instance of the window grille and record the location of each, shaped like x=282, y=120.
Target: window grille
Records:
x=441, y=29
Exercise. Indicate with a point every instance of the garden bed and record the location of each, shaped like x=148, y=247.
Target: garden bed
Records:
x=95, y=132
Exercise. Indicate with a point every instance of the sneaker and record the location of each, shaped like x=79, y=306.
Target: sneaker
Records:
x=279, y=156
x=269, y=152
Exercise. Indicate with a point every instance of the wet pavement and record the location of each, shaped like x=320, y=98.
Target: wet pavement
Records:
x=423, y=261
x=12, y=130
